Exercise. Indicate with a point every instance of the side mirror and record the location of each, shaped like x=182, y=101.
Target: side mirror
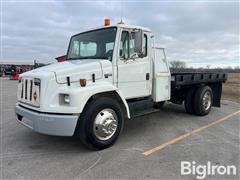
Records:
x=139, y=42
x=61, y=58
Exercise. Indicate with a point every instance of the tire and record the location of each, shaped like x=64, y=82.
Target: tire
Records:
x=203, y=100
x=189, y=102
x=90, y=124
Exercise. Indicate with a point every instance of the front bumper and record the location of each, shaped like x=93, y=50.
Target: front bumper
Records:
x=45, y=123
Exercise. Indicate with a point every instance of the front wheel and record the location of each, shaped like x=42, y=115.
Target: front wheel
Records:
x=100, y=123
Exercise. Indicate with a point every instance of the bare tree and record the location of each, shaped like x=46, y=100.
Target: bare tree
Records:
x=178, y=64
x=236, y=67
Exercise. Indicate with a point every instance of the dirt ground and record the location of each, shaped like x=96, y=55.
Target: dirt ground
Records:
x=231, y=89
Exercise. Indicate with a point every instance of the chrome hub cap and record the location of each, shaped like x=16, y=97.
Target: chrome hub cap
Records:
x=105, y=124
x=207, y=100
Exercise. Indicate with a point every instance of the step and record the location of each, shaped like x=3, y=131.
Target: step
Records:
x=141, y=107
x=144, y=112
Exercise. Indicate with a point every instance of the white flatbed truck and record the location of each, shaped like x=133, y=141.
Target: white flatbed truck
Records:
x=110, y=73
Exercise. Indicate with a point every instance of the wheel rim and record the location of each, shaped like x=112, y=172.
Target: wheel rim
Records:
x=207, y=100
x=105, y=124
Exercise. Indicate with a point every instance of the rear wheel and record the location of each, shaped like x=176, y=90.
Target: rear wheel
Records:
x=203, y=100
x=100, y=123
x=189, y=102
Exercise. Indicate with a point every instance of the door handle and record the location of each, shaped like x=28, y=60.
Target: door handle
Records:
x=107, y=75
x=147, y=76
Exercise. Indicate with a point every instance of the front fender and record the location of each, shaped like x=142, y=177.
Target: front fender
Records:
x=80, y=95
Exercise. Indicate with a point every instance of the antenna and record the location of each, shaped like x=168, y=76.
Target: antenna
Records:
x=121, y=22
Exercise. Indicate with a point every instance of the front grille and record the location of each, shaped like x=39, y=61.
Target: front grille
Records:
x=29, y=91
x=31, y=86
x=22, y=91
x=26, y=83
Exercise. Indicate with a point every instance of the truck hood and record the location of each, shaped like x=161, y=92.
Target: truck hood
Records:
x=75, y=69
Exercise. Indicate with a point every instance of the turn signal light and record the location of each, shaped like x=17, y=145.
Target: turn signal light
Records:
x=83, y=82
x=107, y=22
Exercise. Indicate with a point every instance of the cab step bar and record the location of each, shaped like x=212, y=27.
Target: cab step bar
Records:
x=141, y=107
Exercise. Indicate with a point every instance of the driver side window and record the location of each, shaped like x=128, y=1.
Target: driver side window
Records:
x=132, y=47
x=128, y=46
x=124, y=45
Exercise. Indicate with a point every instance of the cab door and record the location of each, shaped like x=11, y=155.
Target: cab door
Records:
x=134, y=69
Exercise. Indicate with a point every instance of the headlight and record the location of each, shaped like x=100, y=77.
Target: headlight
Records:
x=66, y=98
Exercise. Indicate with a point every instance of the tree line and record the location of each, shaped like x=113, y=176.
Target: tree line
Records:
x=181, y=65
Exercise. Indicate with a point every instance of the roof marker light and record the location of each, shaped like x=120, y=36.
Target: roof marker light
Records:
x=106, y=22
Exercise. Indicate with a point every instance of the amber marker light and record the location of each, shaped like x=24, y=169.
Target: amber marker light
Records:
x=83, y=82
x=106, y=22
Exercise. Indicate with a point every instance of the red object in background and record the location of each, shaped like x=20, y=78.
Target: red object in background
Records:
x=61, y=58
x=15, y=76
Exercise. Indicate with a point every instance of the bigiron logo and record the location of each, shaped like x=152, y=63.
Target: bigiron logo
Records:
x=202, y=171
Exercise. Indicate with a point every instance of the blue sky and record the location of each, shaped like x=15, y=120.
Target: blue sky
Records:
x=201, y=33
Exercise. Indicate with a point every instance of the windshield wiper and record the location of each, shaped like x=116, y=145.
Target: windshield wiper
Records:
x=77, y=58
x=70, y=58
x=100, y=57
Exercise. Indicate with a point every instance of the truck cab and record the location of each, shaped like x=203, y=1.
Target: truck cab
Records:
x=109, y=73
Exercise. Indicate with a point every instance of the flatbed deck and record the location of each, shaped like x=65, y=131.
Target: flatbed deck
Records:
x=181, y=77
x=183, y=80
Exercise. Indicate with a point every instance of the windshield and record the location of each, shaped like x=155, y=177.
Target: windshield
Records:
x=97, y=44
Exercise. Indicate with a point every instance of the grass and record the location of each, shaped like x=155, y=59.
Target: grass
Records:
x=231, y=89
